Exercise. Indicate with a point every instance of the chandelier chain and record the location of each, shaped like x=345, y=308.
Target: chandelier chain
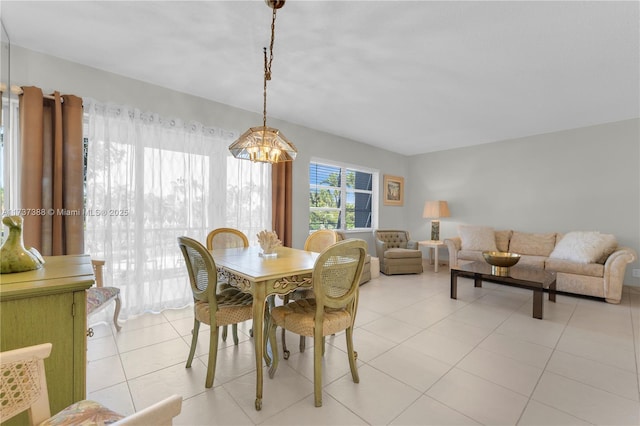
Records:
x=267, y=67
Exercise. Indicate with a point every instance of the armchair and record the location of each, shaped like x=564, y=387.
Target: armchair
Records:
x=398, y=254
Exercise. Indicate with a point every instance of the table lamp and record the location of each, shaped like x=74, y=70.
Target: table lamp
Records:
x=435, y=210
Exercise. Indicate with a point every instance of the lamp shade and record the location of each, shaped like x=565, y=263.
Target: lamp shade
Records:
x=263, y=144
x=435, y=210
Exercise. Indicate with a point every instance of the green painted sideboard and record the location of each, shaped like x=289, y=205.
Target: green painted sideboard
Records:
x=49, y=305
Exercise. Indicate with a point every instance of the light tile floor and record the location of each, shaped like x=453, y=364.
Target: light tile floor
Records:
x=423, y=359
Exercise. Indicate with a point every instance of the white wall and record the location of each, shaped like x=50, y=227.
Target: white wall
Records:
x=51, y=73
x=574, y=180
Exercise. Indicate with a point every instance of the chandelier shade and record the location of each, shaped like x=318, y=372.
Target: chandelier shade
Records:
x=263, y=144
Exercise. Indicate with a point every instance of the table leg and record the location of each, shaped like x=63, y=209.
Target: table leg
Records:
x=552, y=291
x=454, y=284
x=477, y=281
x=259, y=299
x=435, y=266
x=538, y=304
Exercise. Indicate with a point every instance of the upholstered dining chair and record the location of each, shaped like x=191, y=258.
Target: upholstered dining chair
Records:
x=336, y=279
x=316, y=242
x=212, y=306
x=24, y=388
x=99, y=296
x=227, y=238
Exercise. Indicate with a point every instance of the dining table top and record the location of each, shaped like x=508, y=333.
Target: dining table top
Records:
x=248, y=262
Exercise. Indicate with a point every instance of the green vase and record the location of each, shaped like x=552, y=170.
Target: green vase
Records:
x=14, y=256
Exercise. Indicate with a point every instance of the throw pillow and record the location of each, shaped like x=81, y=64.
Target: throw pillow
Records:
x=584, y=247
x=477, y=238
x=532, y=244
x=502, y=240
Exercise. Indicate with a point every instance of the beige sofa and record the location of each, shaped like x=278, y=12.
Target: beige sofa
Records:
x=588, y=264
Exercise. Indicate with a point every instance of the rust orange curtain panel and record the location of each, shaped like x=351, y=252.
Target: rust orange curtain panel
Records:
x=52, y=170
x=282, y=201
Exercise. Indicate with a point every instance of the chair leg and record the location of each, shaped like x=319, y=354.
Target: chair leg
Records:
x=117, y=312
x=213, y=355
x=224, y=333
x=194, y=341
x=285, y=351
x=318, y=349
x=234, y=330
x=303, y=343
x=352, y=356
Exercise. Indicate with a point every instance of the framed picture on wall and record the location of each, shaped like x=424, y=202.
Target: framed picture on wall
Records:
x=393, y=190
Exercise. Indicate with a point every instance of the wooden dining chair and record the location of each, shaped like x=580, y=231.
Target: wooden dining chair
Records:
x=227, y=238
x=213, y=306
x=24, y=388
x=315, y=242
x=336, y=278
x=99, y=296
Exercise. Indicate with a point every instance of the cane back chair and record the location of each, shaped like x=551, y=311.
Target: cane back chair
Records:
x=336, y=278
x=227, y=238
x=211, y=305
x=316, y=242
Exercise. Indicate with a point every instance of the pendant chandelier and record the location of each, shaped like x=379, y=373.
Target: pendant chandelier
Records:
x=265, y=144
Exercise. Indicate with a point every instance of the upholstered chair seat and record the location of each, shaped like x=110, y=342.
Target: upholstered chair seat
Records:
x=23, y=388
x=99, y=296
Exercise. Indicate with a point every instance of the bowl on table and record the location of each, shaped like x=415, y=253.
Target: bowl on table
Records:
x=500, y=261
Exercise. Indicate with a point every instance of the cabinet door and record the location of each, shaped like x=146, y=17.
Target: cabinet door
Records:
x=43, y=319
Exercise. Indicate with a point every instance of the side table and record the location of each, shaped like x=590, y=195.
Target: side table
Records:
x=434, y=246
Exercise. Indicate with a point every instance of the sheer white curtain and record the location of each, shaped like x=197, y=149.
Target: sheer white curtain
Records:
x=150, y=180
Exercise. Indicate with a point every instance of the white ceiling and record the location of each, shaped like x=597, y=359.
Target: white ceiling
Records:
x=409, y=76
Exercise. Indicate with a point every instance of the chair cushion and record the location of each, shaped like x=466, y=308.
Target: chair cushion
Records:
x=400, y=253
x=299, y=317
x=97, y=296
x=234, y=306
x=84, y=413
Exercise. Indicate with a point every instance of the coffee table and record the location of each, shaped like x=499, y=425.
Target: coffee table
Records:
x=536, y=279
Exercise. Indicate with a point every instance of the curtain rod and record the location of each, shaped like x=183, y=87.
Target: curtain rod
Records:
x=17, y=90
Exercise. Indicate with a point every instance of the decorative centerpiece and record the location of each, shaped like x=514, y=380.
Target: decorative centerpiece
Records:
x=268, y=242
x=15, y=257
x=500, y=261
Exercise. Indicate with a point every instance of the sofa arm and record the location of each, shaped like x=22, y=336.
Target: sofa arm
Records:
x=614, y=270
x=413, y=245
x=381, y=246
x=453, y=245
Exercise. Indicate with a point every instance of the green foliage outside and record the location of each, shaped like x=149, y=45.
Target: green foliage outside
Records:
x=329, y=198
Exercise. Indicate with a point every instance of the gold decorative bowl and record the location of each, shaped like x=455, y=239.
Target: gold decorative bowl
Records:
x=500, y=261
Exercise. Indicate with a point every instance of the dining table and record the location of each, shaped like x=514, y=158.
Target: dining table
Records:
x=263, y=276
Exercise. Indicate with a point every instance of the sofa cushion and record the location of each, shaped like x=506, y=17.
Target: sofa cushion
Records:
x=532, y=244
x=532, y=261
x=400, y=253
x=477, y=238
x=502, y=240
x=584, y=247
x=570, y=267
x=470, y=255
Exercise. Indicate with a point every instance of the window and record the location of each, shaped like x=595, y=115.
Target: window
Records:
x=341, y=197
